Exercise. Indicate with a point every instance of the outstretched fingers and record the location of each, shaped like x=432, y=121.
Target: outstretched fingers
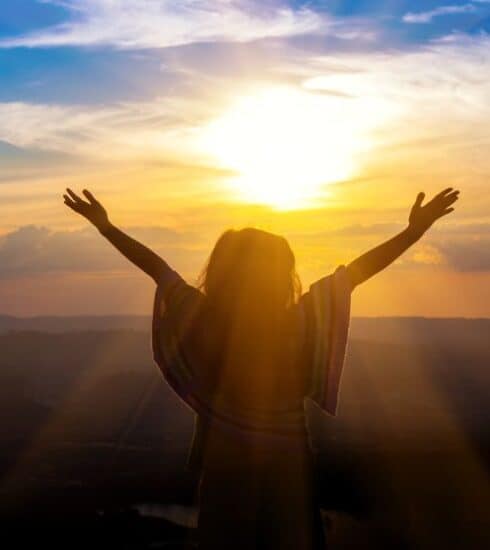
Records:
x=90, y=197
x=69, y=202
x=75, y=202
x=445, y=198
x=452, y=197
x=419, y=200
x=446, y=212
x=74, y=197
x=443, y=193
x=446, y=201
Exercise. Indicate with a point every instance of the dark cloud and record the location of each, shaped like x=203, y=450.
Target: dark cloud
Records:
x=32, y=250
x=467, y=255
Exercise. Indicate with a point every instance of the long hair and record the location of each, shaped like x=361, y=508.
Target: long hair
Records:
x=249, y=282
x=250, y=267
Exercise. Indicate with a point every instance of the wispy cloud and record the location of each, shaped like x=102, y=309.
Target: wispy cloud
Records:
x=443, y=86
x=436, y=93
x=138, y=130
x=428, y=16
x=137, y=24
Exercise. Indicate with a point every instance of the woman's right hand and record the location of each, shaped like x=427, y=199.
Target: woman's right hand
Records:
x=90, y=209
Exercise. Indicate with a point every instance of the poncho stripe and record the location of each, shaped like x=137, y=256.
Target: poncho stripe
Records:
x=325, y=310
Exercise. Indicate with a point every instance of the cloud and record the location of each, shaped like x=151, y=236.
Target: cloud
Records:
x=470, y=255
x=425, y=103
x=459, y=247
x=117, y=131
x=437, y=94
x=32, y=250
x=427, y=16
x=138, y=24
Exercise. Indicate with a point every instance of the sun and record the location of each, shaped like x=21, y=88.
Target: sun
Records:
x=284, y=145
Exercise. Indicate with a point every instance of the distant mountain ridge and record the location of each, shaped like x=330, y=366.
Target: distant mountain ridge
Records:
x=87, y=423
x=74, y=323
x=378, y=329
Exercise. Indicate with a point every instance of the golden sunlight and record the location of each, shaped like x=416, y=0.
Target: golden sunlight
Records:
x=286, y=144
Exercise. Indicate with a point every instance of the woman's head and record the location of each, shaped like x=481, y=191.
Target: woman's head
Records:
x=251, y=268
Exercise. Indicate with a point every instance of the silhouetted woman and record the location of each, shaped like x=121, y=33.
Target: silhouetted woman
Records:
x=243, y=351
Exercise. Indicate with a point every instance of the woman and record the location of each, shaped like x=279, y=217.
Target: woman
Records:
x=243, y=351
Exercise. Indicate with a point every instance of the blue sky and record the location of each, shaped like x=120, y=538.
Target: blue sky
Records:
x=160, y=107
x=66, y=72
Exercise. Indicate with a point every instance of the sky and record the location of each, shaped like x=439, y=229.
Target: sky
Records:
x=317, y=120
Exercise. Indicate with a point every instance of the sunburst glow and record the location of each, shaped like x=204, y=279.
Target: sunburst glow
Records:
x=286, y=144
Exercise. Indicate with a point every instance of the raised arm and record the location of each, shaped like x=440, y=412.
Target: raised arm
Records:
x=420, y=220
x=135, y=252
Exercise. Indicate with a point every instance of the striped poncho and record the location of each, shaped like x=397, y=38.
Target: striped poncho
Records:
x=323, y=319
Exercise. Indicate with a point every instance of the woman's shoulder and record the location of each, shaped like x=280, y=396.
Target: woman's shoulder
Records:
x=335, y=281
x=174, y=296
